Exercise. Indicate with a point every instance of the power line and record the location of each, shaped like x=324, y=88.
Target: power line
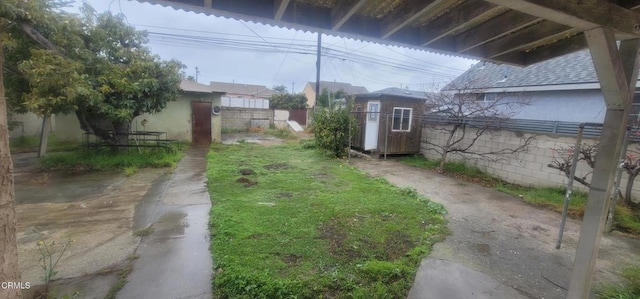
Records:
x=441, y=68
x=296, y=48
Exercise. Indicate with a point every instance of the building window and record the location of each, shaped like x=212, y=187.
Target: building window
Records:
x=486, y=97
x=374, y=110
x=401, y=119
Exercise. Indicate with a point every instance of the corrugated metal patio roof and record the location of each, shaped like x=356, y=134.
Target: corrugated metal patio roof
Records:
x=519, y=32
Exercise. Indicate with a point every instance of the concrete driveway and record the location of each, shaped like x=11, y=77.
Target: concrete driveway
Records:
x=100, y=212
x=499, y=247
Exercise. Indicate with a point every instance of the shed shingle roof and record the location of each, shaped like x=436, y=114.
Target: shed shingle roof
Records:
x=401, y=92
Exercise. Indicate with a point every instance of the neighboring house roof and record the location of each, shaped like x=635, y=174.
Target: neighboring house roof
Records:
x=568, y=72
x=195, y=87
x=337, y=86
x=259, y=91
x=395, y=91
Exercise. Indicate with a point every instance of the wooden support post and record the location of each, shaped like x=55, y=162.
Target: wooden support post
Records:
x=617, y=71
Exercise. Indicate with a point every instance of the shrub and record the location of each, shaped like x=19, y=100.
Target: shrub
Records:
x=331, y=130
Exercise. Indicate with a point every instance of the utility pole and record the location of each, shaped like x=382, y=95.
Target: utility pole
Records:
x=319, y=54
x=292, y=85
x=197, y=73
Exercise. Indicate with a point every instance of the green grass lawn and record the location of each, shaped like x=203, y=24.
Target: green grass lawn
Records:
x=288, y=222
x=25, y=144
x=105, y=159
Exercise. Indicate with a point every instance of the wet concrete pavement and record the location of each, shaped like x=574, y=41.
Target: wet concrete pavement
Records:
x=93, y=209
x=174, y=259
x=499, y=247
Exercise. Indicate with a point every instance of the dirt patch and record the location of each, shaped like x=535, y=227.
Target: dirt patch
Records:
x=336, y=236
x=291, y=259
x=257, y=236
x=323, y=175
x=246, y=171
x=509, y=240
x=246, y=182
x=249, y=137
x=284, y=195
x=277, y=166
x=398, y=245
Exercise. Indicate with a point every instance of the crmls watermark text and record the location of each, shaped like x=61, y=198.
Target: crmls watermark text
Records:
x=5, y=285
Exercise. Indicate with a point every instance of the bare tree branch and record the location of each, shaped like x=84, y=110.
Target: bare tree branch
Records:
x=464, y=115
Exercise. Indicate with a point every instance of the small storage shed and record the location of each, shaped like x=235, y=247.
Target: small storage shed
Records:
x=389, y=121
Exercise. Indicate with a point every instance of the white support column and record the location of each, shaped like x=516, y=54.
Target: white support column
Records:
x=617, y=71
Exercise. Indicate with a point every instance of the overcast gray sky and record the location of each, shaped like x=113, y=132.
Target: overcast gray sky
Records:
x=228, y=50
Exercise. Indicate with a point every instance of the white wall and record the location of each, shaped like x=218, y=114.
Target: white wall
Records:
x=572, y=105
x=280, y=118
x=30, y=125
x=66, y=127
x=63, y=126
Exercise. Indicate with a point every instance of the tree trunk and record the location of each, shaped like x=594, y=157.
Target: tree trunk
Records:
x=9, y=270
x=443, y=161
x=112, y=133
x=121, y=134
x=447, y=147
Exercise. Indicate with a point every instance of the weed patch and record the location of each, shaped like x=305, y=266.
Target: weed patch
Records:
x=123, y=273
x=281, y=133
x=339, y=235
x=147, y=231
x=629, y=289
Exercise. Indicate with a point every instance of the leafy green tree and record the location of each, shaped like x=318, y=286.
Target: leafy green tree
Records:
x=288, y=101
x=280, y=88
x=326, y=96
x=110, y=77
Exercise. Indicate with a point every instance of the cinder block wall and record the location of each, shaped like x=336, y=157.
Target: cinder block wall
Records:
x=280, y=118
x=240, y=118
x=527, y=168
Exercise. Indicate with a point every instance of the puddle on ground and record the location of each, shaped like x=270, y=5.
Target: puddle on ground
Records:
x=249, y=140
x=66, y=187
x=146, y=209
x=171, y=224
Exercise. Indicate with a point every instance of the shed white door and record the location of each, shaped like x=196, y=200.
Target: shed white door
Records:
x=372, y=125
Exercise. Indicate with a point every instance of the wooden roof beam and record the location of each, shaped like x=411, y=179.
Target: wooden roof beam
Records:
x=504, y=24
x=406, y=14
x=530, y=56
x=279, y=8
x=522, y=39
x=579, y=14
x=455, y=19
x=343, y=11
